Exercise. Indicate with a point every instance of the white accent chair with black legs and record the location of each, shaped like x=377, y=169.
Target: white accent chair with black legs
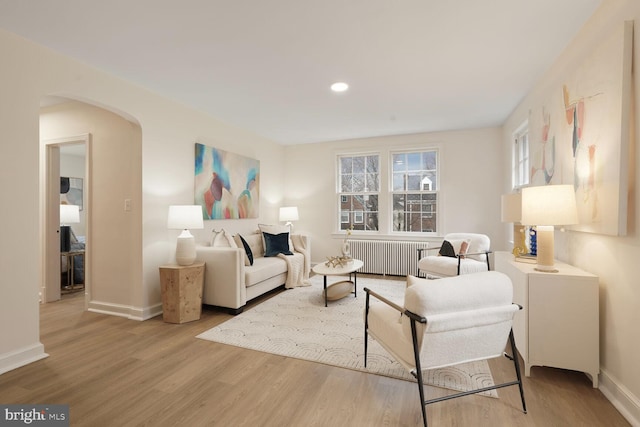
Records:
x=446, y=322
x=460, y=253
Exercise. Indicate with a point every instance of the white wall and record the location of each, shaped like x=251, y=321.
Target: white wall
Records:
x=613, y=259
x=19, y=247
x=169, y=132
x=470, y=176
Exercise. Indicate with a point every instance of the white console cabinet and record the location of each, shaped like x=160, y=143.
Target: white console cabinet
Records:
x=559, y=323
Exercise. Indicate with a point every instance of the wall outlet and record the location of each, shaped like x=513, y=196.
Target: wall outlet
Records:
x=127, y=205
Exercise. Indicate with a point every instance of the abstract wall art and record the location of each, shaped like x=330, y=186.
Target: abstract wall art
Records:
x=71, y=191
x=580, y=135
x=227, y=185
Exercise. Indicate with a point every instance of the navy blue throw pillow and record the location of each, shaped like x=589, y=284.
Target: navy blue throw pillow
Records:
x=447, y=249
x=276, y=244
x=247, y=249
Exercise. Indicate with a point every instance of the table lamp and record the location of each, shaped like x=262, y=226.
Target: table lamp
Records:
x=185, y=217
x=512, y=212
x=69, y=214
x=288, y=214
x=545, y=207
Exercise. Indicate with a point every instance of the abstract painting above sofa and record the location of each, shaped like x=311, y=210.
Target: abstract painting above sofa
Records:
x=227, y=185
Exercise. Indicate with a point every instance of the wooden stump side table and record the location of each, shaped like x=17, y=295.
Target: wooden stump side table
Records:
x=182, y=292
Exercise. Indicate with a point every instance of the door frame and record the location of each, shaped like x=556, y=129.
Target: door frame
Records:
x=50, y=286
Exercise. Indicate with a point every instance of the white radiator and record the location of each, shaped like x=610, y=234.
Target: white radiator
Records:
x=387, y=257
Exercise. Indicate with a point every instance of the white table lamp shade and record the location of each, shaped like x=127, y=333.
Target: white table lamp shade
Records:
x=69, y=214
x=185, y=217
x=545, y=207
x=549, y=205
x=289, y=213
x=182, y=217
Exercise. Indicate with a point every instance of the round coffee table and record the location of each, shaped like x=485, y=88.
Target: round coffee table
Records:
x=342, y=288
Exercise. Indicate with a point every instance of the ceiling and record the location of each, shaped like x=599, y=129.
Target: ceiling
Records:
x=266, y=66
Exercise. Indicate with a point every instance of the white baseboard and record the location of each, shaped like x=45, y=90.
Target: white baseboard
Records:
x=127, y=311
x=22, y=357
x=148, y=312
x=620, y=397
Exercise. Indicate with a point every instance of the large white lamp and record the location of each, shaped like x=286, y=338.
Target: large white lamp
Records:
x=288, y=214
x=69, y=214
x=185, y=217
x=545, y=207
x=512, y=212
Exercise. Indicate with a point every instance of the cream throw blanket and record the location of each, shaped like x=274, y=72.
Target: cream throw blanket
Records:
x=298, y=264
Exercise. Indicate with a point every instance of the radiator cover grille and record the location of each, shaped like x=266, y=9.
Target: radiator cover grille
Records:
x=387, y=257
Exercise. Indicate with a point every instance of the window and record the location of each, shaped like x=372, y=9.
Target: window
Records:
x=414, y=191
x=358, y=187
x=520, y=173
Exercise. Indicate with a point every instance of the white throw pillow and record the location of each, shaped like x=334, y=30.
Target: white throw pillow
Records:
x=224, y=240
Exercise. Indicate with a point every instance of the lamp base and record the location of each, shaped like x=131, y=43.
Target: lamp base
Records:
x=544, y=270
x=185, y=249
x=545, y=257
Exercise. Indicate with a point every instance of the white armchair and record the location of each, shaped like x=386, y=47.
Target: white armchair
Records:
x=446, y=322
x=471, y=255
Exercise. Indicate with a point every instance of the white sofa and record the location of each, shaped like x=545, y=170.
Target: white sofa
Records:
x=229, y=283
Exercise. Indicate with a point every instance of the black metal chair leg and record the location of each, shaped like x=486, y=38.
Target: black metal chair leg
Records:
x=517, y=366
x=366, y=326
x=418, y=374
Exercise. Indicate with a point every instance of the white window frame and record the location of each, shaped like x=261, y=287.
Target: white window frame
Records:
x=343, y=195
x=435, y=191
x=520, y=165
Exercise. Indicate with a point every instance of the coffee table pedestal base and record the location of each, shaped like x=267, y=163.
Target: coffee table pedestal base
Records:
x=338, y=290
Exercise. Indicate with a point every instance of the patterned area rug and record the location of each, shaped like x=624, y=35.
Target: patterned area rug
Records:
x=295, y=323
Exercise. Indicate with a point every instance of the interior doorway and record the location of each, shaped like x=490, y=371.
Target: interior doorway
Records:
x=67, y=183
x=112, y=203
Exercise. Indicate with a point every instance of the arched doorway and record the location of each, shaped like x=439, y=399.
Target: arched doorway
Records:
x=112, y=198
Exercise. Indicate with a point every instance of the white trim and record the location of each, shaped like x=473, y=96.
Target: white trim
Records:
x=394, y=237
x=21, y=357
x=86, y=140
x=620, y=397
x=126, y=311
x=516, y=159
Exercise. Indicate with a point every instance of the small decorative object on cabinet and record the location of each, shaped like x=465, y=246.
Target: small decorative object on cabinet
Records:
x=559, y=324
x=533, y=241
x=182, y=292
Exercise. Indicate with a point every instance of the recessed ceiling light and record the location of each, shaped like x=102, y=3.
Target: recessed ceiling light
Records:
x=339, y=87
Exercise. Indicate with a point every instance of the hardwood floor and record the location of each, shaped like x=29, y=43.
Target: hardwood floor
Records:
x=118, y=372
